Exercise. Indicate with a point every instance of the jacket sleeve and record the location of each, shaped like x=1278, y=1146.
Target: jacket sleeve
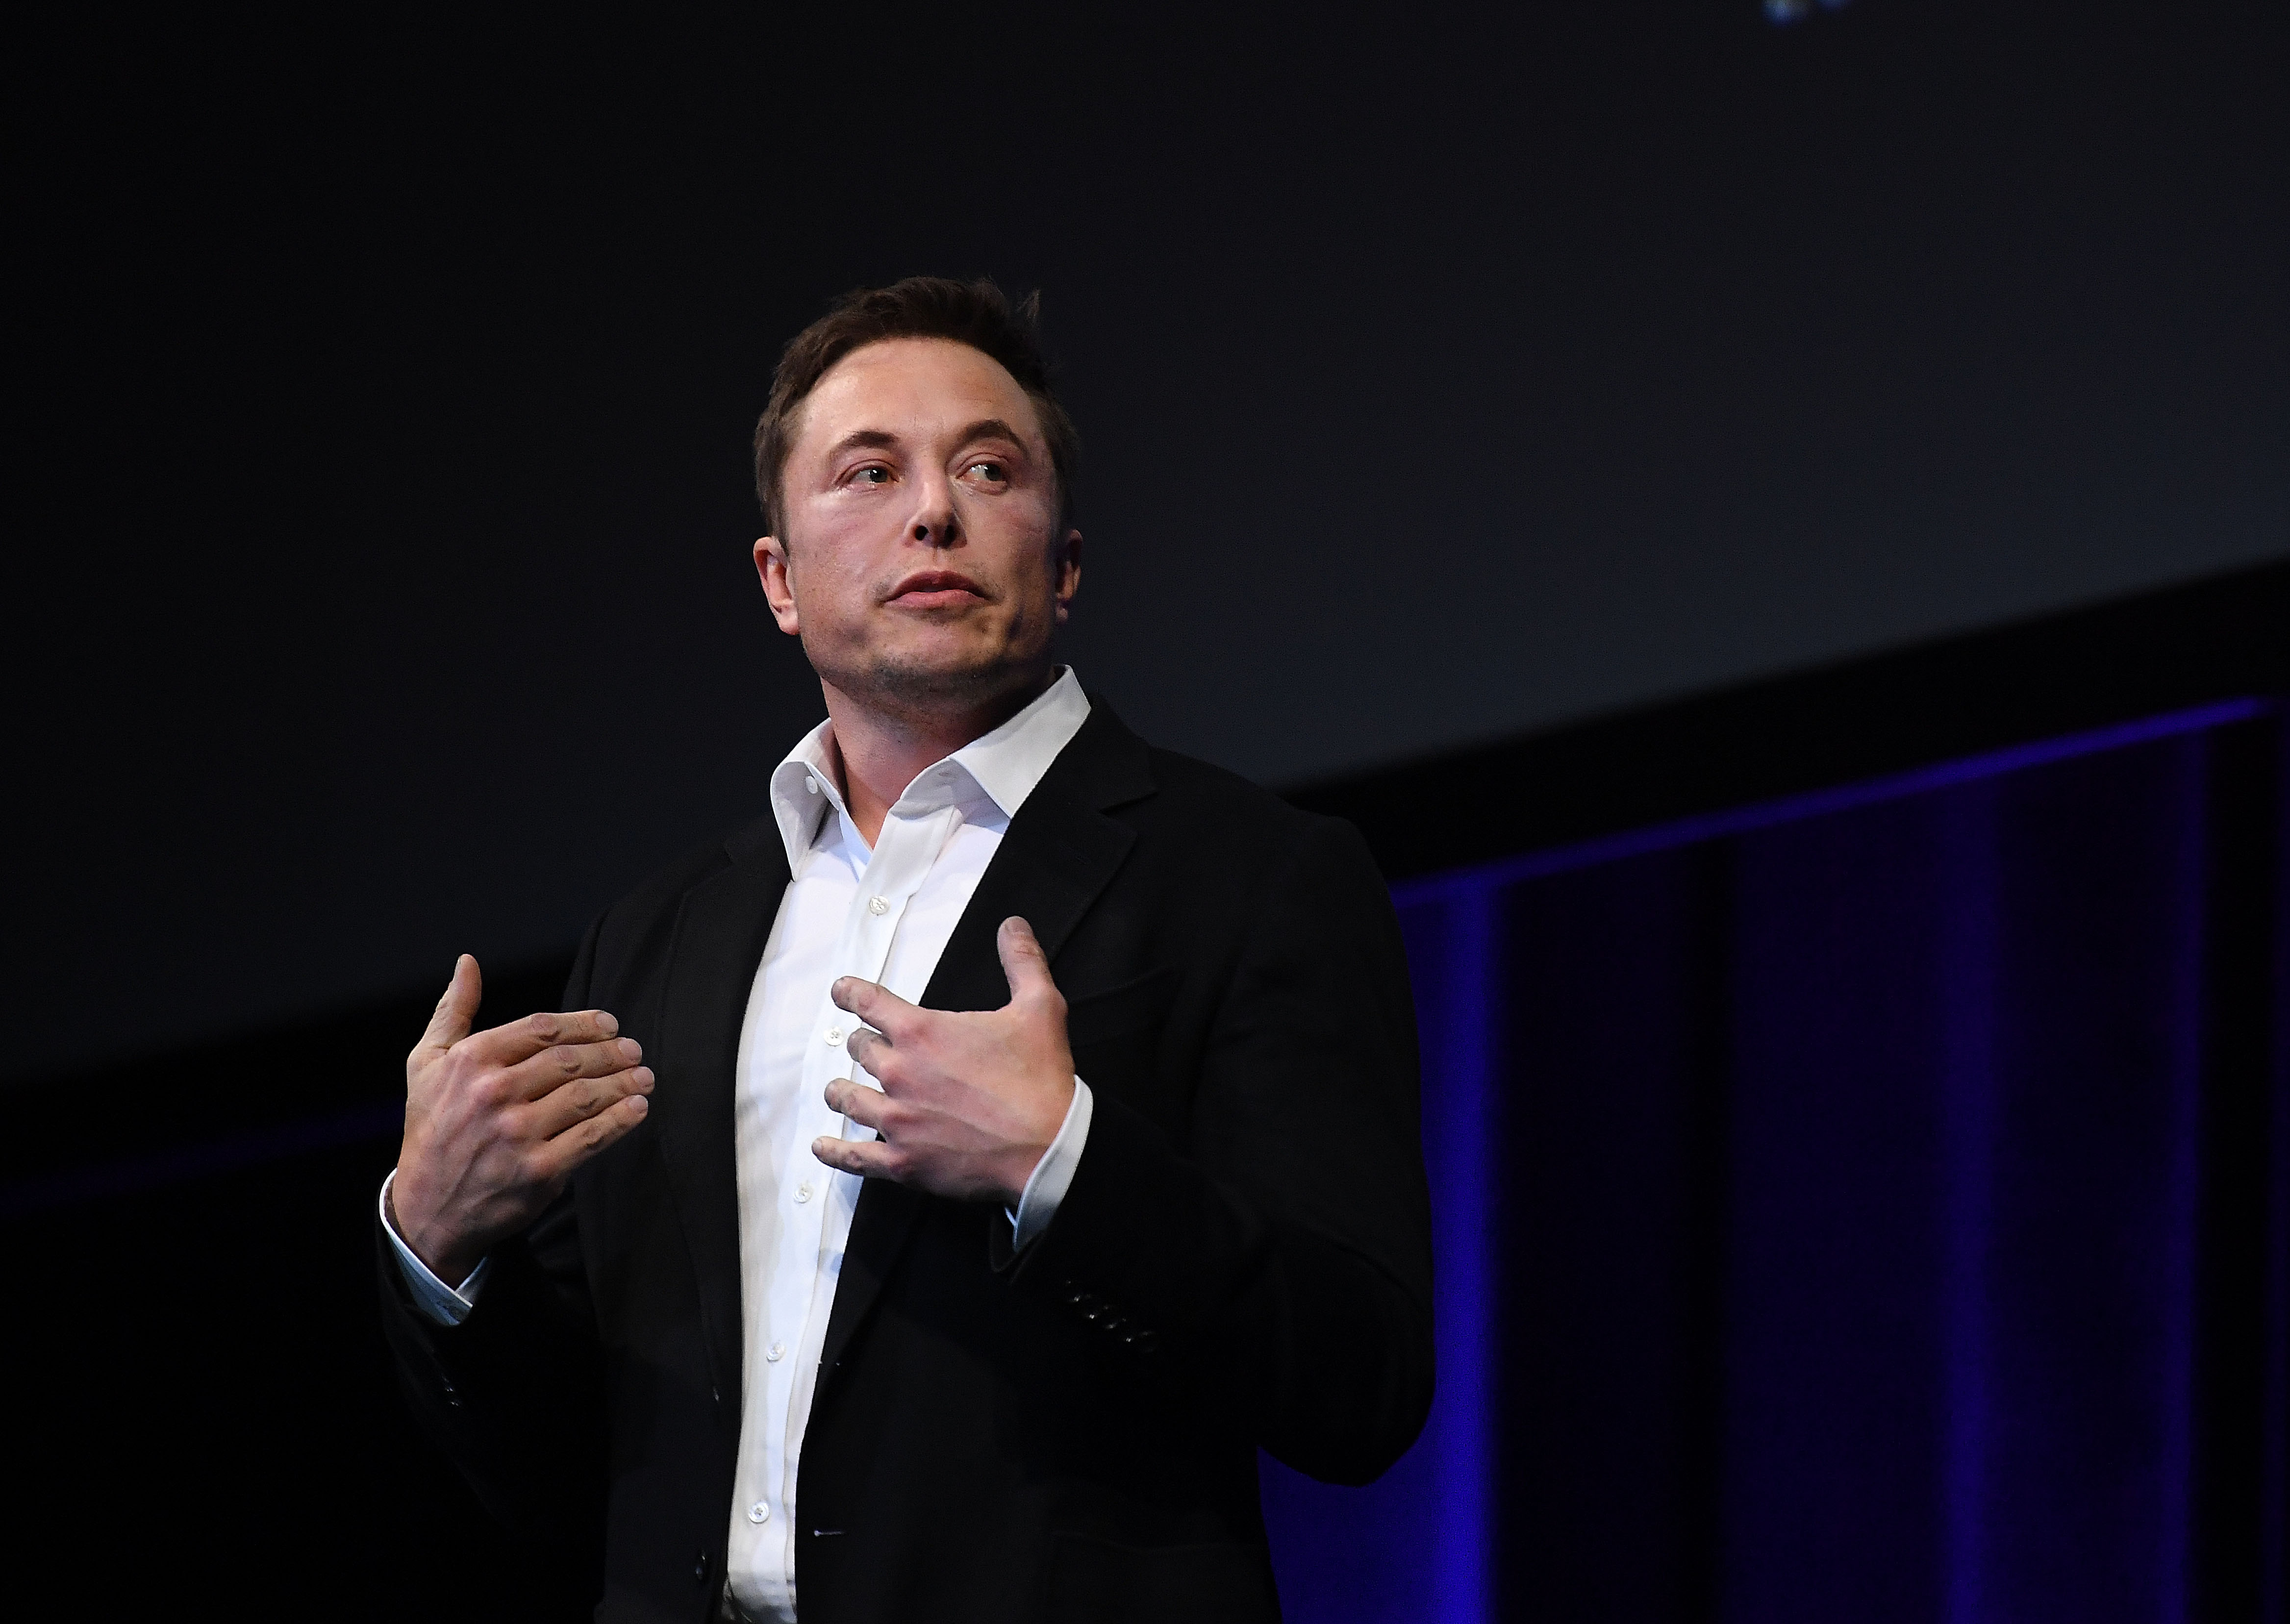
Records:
x=1280, y=1258
x=515, y=1395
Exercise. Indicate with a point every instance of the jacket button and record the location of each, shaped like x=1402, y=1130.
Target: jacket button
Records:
x=700, y=1569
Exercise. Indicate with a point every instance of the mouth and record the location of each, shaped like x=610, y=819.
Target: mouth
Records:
x=936, y=589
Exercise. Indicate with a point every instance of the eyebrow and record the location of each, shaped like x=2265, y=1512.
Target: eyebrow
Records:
x=984, y=428
x=993, y=428
x=858, y=437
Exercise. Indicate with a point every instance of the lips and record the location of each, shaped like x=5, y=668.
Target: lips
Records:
x=936, y=589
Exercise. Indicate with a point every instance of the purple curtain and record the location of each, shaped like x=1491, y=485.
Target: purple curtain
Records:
x=1874, y=1206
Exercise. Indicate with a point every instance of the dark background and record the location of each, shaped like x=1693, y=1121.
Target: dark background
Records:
x=380, y=584
x=1500, y=425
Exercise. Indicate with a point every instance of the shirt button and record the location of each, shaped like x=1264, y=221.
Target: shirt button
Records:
x=878, y=905
x=759, y=1512
x=803, y=1192
x=774, y=1353
x=811, y=786
x=834, y=1035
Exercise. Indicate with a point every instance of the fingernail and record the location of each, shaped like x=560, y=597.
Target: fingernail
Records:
x=636, y=1103
x=605, y=1019
x=643, y=1077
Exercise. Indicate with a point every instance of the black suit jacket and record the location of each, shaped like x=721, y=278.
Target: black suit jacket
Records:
x=1242, y=1257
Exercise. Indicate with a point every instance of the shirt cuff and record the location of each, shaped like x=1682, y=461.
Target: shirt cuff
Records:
x=441, y=1302
x=1052, y=1175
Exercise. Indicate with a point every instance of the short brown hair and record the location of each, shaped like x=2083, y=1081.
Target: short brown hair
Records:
x=974, y=313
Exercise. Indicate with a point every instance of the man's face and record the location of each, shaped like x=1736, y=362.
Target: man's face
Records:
x=921, y=561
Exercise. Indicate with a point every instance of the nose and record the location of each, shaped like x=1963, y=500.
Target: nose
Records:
x=935, y=523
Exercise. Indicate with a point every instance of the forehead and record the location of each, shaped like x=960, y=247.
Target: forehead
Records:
x=914, y=389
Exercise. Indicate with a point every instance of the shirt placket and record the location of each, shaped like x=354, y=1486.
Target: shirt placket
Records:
x=800, y=1179
x=905, y=850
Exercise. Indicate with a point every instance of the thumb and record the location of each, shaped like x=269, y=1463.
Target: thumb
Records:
x=1023, y=963
x=456, y=1011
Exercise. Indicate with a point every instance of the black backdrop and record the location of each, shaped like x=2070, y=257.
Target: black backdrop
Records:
x=380, y=518
x=380, y=587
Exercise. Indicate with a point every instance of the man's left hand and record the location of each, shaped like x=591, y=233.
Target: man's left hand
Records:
x=969, y=1102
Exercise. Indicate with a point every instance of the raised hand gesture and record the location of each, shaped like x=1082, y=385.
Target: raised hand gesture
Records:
x=969, y=1102
x=496, y=1121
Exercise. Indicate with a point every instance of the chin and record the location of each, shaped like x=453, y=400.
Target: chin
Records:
x=939, y=678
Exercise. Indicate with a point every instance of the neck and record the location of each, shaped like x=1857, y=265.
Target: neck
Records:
x=881, y=750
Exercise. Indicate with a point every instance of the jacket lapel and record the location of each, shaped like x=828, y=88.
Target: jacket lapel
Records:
x=1060, y=853
x=721, y=933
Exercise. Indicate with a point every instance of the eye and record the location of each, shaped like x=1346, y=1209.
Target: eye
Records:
x=873, y=474
x=993, y=472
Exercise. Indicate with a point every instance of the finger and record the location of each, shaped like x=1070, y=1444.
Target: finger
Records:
x=869, y=1159
x=520, y=1040
x=1023, y=962
x=558, y=1157
x=561, y=1063
x=456, y=1011
x=578, y=1101
x=870, y=1049
x=878, y=1006
x=862, y=1104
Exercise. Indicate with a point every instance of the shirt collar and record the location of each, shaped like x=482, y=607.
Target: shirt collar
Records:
x=1004, y=765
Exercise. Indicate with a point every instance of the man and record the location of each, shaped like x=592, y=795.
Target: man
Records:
x=983, y=1153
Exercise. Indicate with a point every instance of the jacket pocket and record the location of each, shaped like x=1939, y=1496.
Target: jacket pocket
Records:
x=1127, y=1011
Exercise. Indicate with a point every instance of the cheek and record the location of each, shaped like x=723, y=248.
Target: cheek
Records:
x=833, y=564
x=826, y=596
x=1016, y=528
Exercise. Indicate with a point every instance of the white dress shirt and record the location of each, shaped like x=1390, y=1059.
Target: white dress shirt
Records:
x=883, y=914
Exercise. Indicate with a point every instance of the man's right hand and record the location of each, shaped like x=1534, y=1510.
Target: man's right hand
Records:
x=496, y=1121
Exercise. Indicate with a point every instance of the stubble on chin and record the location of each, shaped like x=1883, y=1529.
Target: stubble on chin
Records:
x=923, y=688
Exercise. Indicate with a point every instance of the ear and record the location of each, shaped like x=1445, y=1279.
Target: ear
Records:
x=772, y=569
x=1068, y=564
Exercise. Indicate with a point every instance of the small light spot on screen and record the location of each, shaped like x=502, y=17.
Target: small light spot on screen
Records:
x=1798, y=11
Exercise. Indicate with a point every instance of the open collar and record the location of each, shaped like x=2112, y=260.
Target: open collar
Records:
x=1003, y=766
